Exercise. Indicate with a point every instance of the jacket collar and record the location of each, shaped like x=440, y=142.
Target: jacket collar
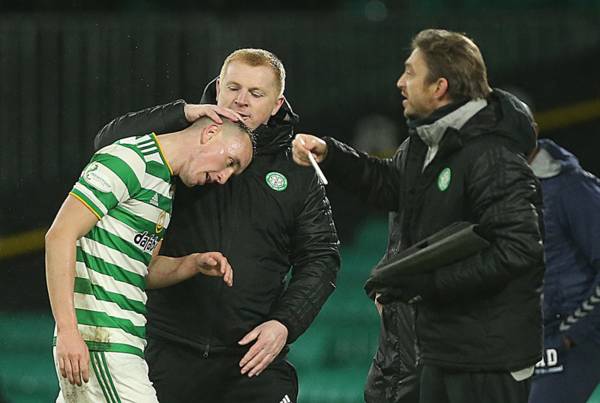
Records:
x=432, y=133
x=505, y=117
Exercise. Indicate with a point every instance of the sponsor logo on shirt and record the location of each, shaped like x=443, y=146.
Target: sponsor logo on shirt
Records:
x=146, y=241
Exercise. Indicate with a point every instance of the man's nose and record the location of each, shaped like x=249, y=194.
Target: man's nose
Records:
x=400, y=82
x=242, y=98
x=224, y=175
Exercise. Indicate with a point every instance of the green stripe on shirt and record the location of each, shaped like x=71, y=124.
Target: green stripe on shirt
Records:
x=85, y=286
x=102, y=319
x=112, y=241
x=121, y=169
x=159, y=170
x=112, y=270
x=112, y=347
x=136, y=222
x=82, y=197
x=107, y=199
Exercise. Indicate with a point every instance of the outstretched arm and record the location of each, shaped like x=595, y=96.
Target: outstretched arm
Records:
x=165, y=271
x=375, y=180
x=73, y=221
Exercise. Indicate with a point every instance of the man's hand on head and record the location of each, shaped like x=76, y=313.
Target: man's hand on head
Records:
x=194, y=112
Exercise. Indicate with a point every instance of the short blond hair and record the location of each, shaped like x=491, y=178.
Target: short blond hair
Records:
x=258, y=57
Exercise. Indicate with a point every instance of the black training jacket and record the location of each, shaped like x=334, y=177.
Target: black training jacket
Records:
x=264, y=230
x=487, y=315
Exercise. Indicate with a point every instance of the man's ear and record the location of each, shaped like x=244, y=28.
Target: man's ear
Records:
x=441, y=88
x=277, y=106
x=209, y=132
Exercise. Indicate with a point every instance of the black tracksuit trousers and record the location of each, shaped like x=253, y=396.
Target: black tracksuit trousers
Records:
x=439, y=385
x=182, y=374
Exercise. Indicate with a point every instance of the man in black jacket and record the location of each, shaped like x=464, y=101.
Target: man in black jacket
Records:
x=208, y=343
x=477, y=322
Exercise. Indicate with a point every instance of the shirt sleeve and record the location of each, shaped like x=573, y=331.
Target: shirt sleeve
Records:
x=113, y=176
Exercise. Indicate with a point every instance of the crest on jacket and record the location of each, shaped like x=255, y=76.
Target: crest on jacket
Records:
x=444, y=178
x=276, y=181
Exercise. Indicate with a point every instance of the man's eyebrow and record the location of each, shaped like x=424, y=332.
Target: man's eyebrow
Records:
x=249, y=89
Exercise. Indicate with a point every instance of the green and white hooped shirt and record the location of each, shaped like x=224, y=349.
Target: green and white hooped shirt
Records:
x=127, y=185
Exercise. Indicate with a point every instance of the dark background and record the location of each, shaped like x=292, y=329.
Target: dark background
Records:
x=68, y=67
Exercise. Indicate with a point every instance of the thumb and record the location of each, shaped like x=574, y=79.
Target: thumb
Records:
x=300, y=142
x=314, y=145
x=308, y=142
x=207, y=260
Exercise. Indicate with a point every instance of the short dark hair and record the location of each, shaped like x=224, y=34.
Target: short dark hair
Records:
x=455, y=57
x=240, y=125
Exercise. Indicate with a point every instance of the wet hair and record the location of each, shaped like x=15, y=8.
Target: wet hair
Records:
x=455, y=57
x=258, y=57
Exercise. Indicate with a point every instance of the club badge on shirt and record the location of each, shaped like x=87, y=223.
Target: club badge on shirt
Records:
x=160, y=223
x=276, y=181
